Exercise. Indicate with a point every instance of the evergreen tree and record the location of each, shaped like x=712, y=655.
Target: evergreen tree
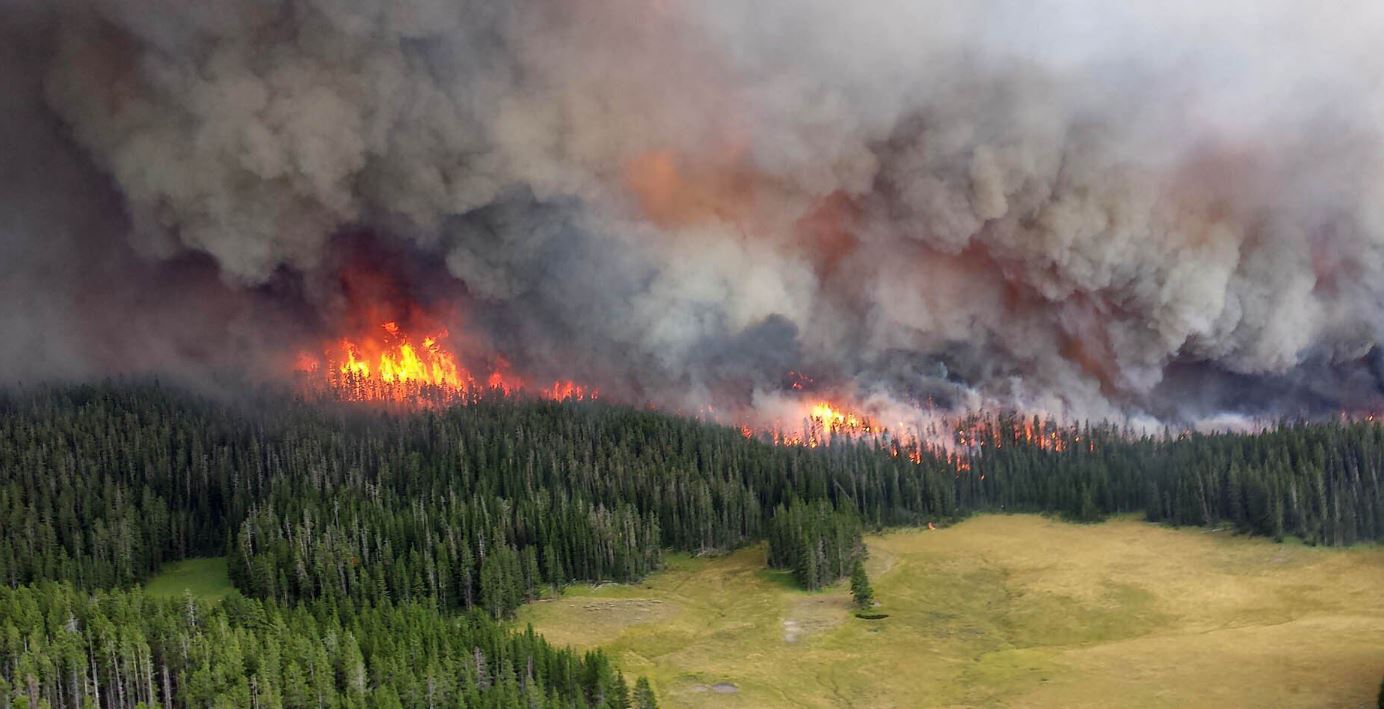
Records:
x=644, y=695
x=861, y=591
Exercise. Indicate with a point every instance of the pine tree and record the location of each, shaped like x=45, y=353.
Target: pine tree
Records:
x=860, y=586
x=533, y=579
x=351, y=668
x=644, y=695
x=553, y=566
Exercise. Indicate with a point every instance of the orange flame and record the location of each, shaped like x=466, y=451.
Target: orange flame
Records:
x=397, y=359
x=819, y=422
x=390, y=364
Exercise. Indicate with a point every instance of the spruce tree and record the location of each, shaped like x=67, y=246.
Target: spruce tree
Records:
x=860, y=586
x=644, y=695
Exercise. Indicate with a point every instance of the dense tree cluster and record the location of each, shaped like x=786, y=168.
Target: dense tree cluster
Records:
x=1321, y=482
x=99, y=485
x=476, y=505
x=461, y=552
x=481, y=506
x=64, y=648
x=816, y=542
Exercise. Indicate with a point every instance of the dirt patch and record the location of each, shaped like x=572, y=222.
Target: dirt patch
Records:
x=791, y=631
x=718, y=688
x=813, y=615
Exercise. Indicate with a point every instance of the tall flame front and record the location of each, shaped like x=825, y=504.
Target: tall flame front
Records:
x=391, y=364
x=400, y=361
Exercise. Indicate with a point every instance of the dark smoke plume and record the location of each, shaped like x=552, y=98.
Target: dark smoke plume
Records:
x=1169, y=209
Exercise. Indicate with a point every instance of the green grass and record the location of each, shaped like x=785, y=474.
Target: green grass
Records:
x=1004, y=611
x=203, y=578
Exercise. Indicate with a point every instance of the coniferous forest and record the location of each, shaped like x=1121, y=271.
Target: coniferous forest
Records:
x=816, y=542
x=376, y=551
x=65, y=647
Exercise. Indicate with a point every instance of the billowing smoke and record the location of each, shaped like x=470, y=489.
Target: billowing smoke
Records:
x=1170, y=209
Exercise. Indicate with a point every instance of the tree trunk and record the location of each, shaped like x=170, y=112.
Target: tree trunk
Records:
x=167, y=688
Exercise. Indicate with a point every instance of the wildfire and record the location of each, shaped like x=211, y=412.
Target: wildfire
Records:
x=976, y=432
x=567, y=389
x=831, y=419
x=390, y=364
x=397, y=359
x=414, y=366
x=815, y=426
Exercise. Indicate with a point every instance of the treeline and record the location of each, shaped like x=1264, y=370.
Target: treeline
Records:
x=818, y=543
x=417, y=545
x=65, y=648
x=485, y=505
x=1321, y=482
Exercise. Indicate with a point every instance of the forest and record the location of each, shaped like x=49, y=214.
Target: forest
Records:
x=338, y=520
x=817, y=543
x=64, y=647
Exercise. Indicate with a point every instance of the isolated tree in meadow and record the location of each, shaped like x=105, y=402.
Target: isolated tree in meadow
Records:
x=860, y=586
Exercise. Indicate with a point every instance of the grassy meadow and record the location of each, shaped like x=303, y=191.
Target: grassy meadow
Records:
x=203, y=578
x=1004, y=611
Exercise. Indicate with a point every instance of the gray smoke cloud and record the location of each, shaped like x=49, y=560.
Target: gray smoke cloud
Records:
x=1089, y=208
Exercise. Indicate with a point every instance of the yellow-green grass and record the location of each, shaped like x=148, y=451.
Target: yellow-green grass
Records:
x=203, y=578
x=1005, y=611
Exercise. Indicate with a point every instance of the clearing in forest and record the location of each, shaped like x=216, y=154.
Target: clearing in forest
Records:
x=1005, y=611
x=204, y=578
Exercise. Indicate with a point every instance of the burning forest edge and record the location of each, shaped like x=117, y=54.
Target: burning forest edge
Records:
x=389, y=366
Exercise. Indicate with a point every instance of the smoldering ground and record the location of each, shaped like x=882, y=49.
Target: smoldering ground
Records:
x=1086, y=209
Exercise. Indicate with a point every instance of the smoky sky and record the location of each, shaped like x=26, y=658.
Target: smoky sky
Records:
x=1166, y=209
